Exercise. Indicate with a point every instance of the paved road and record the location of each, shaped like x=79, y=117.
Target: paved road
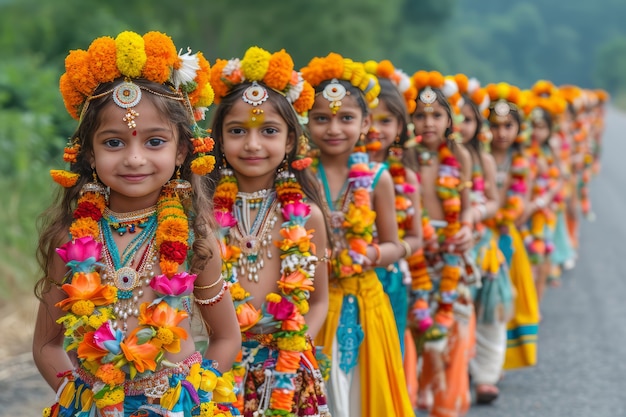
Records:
x=581, y=370
x=582, y=342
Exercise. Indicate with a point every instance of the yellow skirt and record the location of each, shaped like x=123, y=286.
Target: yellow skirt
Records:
x=382, y=381
x=523, y=328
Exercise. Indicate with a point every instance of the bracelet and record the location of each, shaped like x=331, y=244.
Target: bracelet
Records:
x=213, y=300
x=466, y=223
x=407, y=248
x=462, y=185
x=206, y=287
x=378, y=254
x=482, y=208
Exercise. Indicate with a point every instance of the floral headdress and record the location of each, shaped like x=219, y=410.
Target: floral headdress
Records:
x=335, y=67
x=274, y=71
x=470, y=87
x=152, y=57
x=544, y=95
x=385, y=69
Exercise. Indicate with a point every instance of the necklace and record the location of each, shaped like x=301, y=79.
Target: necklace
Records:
x=128, y=222
x=425, y=155
x=252, y=200
x=118, y=269
x=254, y=239
x=502, y=170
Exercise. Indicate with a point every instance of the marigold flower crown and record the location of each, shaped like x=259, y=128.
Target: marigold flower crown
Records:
x=335, y=67
x=273, y=70
x=152, y=57
x=385, y=69
x=470, y=87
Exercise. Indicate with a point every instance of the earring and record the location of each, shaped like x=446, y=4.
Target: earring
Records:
x=95, y=186
x=284, y=166
x=177, y=186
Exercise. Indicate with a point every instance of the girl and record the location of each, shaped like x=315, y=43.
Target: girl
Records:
x=493, y=299
x=366, y=378
x=512, y=179
x=112, y=331
x=386, y=138
x=279, y=285
x=444, y=171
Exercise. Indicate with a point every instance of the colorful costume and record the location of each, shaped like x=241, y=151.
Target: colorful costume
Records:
x=359, y=334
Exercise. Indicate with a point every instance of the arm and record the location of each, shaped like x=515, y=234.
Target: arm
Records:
x=386, y=225
x=48, y=353
x=491, y=189
x=219, y=318
x=318, y=303
x=414, y=236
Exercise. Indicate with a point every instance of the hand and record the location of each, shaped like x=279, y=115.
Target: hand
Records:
x=462, y=240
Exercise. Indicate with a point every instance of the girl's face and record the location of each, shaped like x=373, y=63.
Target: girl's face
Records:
x=469, y=124
x=336, y=134
x=386, y=124
x=541, y=130
x=135, y=162
x=504, y=132
x=255, y=141
x=431, y=123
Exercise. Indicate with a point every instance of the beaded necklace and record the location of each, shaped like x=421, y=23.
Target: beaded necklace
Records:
x=254, y=240
x=285, y=308
x=93, y=307
x=128, y=222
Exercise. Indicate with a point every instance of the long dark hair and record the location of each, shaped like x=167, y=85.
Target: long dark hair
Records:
x=474, y=143
x=55, y=221
x=309, y=184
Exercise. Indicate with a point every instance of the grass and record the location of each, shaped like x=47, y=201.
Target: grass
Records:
x=23, y=200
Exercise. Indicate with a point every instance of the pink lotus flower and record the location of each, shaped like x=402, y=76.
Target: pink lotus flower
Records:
x=281, y=310
x=225, y=219
x=178, y=285
x=107, y=338
x=82, y=252
x=296, y=209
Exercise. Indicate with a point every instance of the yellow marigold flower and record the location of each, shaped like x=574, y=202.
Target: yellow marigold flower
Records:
x=203, y=165
x=206, y=96
x=64, y=178
x=371, y=66
x=303, y=306
x=130, y=54
x=84, y=227
x=83, y=308
x=165, y=335
x=279, y=70
x=160, y=57
x=293, y=343
x=255, y=63
x=273, y=298
x=46, y=412
x=102, y=59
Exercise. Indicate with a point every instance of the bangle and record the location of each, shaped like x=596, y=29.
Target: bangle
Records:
x=482, y=209
x=378, y=254
x=407, y=248
x=206, y=287
x=213, y=300
x=466, y=223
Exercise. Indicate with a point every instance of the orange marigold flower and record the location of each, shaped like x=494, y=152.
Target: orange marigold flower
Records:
x=102, y=59
x=217, y=80
x=64, y=178
x=279, y=70
x=203, y=77
x=160, y=57
x=72, y=98
x=110, y=375
x=85, y=226
x=77, y=70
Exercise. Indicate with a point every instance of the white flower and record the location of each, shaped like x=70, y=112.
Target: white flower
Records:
x=405, y=82
x=232, y=66
x=188, y=68
x=295, y=90
x=449, y=87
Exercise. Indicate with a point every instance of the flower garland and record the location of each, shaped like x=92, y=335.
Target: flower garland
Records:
x=421, y=283
x=152, y=57
x=537, y=242
x=287, y=308
x=105, y=352
x=358, y=219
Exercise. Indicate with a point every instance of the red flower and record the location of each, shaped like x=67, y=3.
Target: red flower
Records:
x=174, y=251
x=87, y=209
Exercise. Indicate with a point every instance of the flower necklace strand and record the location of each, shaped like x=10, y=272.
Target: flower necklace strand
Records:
x=287, y=307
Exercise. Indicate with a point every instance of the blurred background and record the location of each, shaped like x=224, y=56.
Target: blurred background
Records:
x=566, y=41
